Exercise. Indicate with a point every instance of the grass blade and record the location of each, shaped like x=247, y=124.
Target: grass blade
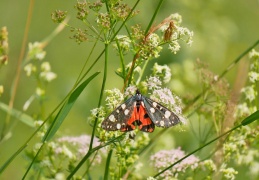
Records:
x=107, y=166
x=66, y=108
x=26, y=119
x=12, y=158
x=245, y=122
x=251, y=118
x=60, y=117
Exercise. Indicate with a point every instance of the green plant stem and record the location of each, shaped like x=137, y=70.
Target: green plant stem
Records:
x=19, y=67
x=34, y=133
x=89, y=163
x=34, y=159
x=96, y=120
x=101, y=93
x=79, y=79
x=54, y=33
x=61, y=116
x=99, y=103
x=134, y=7
x=51, y=114
x=246, y=121
x=88, y=154
x=91, y=27
x=121, y=60
x=90, y=68
x=196, y=150
x=142, y=72
x=223, y=74
x=108, y=160
x=153, y=17
x=12, y=157
x=130, y=74
x=160, y=133
x=251, y=118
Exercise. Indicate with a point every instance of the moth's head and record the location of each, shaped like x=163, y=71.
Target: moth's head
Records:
x=138, y=96
x=137, y=92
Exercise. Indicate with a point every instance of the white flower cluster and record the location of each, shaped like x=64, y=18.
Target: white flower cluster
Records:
x=250, y=92
x=150, y=46
x=162, y=71
x=76, y=147
x=46, y=73
x=179, y=33
x=229, y=173
x=123, y=43
x=114, y=98
x=165, y=158
x=40, y=70
x=36, y=51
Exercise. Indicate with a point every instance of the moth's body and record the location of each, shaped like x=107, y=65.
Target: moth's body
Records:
x=142, y=112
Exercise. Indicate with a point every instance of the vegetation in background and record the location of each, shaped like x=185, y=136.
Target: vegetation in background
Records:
x=218, y=113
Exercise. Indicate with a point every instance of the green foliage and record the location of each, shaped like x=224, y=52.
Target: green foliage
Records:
x=133, y=49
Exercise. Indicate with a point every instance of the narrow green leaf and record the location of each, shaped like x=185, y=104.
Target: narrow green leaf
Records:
x=88, y=154
x=107, y=166
x=26, y=119
x=2, y=168
x=198, y=149
x=66, y=108
x=120, y=74
x=245, y=122
x=251, y=118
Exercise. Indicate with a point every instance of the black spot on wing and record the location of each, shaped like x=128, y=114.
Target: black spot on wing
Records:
x=146, y=116
x=148, y=128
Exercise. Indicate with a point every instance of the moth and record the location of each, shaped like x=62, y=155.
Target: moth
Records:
x=140, y=111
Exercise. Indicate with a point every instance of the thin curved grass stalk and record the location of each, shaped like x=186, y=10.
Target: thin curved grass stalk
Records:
x=196, y=150
x=222, y=74
x=121, y=60
x=148, y=32
x=13, y=157
x=18, y=69
x=151, y=143
x=89, y=164
x=60, y=117
x=89, y=69
x=101, y=94
x=50, y=115
x=88, y=154
x=154, y=16
x=34, y=133
x=66, y=108
x=142, y=72
x=134, y=7
x=34, y=159
x=79, y=79
x=105, y=76
x=54, y=33
x=246, y=121
x=108, y=160
x=129, y=76
x=154, y=139
x=58, y=106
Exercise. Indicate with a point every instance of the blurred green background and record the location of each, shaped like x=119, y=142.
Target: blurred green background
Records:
x=222, y=31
